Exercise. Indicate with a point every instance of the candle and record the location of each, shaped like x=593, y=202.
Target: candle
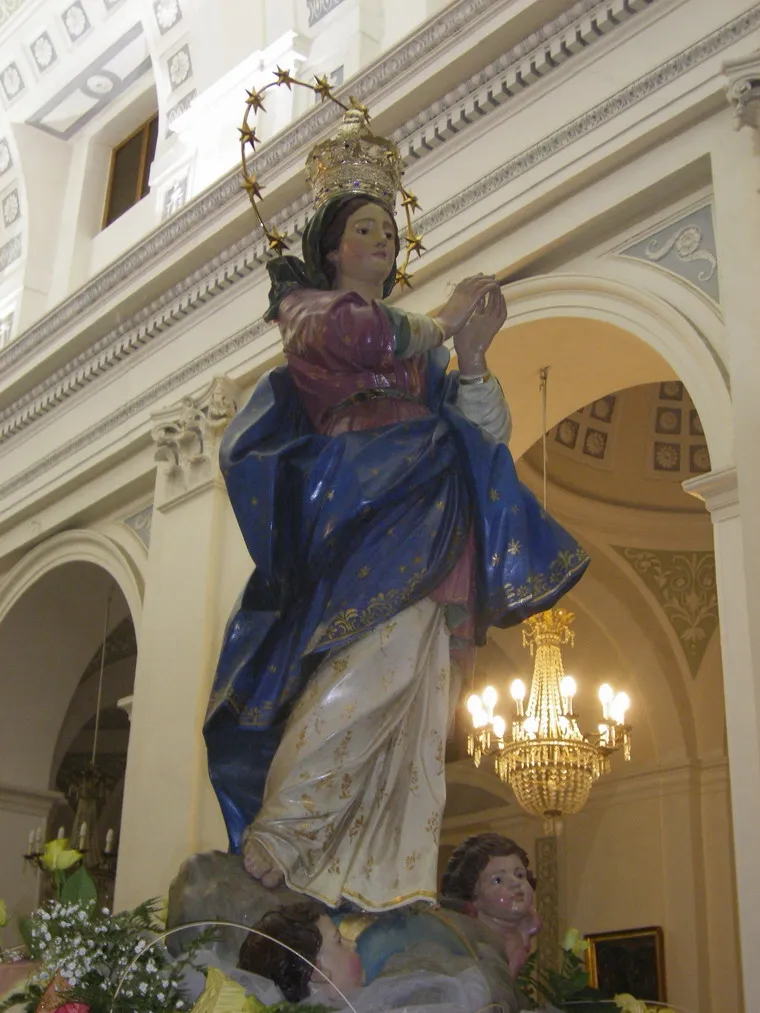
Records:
x=61, y=833
x=38, y=841
x=30, y=844
x=82, y=836
x=108, y=850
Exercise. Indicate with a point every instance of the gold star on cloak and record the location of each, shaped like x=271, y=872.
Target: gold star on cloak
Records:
x=283, y=77
x=255, y=100
x=276, y=242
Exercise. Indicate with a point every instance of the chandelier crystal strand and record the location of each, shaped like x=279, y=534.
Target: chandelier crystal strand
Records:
x=550, y=764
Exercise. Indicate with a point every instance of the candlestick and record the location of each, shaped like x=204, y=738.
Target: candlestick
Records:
x=108, y=850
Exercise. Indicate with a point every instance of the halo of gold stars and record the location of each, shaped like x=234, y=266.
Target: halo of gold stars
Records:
x=277, y=242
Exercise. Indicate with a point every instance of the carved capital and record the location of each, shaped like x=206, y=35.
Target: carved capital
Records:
x=187, y=435
x=743, y=89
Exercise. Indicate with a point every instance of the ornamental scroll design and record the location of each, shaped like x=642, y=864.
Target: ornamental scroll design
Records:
x=318, y=9
x=8, y=8
x=685, y=586
x=687, y=246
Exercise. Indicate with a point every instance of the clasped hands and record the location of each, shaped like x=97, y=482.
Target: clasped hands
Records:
x=473, y=314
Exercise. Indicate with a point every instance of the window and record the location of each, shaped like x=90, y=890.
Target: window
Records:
x=130, y=169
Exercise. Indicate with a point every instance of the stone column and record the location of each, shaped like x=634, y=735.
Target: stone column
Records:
x=547, y=901
x=741, y=685
x=177, y=645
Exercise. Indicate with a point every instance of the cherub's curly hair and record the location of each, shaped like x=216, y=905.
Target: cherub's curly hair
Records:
x=472, y=856
x=296, y=926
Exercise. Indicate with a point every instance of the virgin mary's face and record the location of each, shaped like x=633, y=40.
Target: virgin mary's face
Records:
x=367, y=248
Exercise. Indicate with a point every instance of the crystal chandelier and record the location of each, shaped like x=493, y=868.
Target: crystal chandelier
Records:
x=550, y=764
x=547, y=760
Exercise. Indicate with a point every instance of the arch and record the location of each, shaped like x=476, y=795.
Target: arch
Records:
x=661, y=328
x=76, y=547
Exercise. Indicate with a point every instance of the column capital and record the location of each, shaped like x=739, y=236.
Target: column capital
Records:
x=718, y=490
x=743, y=89
x=187, y=437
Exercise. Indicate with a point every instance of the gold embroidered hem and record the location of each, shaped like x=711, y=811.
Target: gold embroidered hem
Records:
x=356, y=791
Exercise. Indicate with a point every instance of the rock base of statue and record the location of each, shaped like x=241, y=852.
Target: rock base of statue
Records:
x=213, y=886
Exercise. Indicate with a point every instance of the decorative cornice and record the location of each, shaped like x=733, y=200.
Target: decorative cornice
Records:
x=533, y=58
x=127, y=411
x=243, y=259
x=27, y=801
x=593, y=118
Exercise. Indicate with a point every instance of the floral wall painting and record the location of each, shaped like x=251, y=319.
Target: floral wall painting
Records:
x=630, y=961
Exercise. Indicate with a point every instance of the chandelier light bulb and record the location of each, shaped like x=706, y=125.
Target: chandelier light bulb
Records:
x=606, y=693
x=490, y=696
x=568, y=686
x=531, y=726
x=620, y=705
x=480, y=719
x=517, y=690
x=499, y=726
x=474, y=704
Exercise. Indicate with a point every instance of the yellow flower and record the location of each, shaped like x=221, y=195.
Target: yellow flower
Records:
x=574, y=943
x=3, y=914
x=58, y=856
x=627, y=1004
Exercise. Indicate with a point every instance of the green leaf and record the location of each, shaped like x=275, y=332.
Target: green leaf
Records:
x=25, y=926
x=79, y=888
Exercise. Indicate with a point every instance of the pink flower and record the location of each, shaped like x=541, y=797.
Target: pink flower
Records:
x=73, y=1007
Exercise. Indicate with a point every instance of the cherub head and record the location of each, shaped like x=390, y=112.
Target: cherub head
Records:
x=309, y=931
x=490, y=875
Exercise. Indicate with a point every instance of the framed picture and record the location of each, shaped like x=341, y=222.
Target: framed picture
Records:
x=630, y=961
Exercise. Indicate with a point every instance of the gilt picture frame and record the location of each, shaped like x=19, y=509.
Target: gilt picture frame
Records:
x=630, y=960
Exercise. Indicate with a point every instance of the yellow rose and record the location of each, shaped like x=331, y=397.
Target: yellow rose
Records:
x=574, y=943
x=3, y=914
x=627, y=1004
x=58, y=856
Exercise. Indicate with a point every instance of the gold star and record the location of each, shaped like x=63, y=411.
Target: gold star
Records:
x=439, y=505
x=248, y=135
x=254, y=502
x=354, y=103
x=410, y=201
x=283, y=77
x=495, y=559
x=364, y=572
x=402, y=569
x=322, y=87
x=331, y=495
x=254, y=100
x=402, y=278
x=276, y=241
x=513, y=548
x=414, y=242
x=493, y=495
x=252, y=187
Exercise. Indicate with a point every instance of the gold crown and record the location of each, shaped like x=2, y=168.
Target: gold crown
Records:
x=355, y=160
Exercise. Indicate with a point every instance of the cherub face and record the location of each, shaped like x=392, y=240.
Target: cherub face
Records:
x=502, y=890
x=337, y=958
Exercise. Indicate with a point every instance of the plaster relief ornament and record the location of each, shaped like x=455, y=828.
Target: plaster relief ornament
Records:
x=380, y=504
x=75, y=21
